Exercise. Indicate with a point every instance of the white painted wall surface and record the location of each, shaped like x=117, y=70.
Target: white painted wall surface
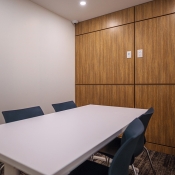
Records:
x=37, y=57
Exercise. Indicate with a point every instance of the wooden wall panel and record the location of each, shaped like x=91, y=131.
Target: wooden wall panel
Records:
x=161, y=128
x=117, y=18
x=157, y=39
x=105, y=76
x=101, y=56
x=160, y=148
x=154, y=8
x=110, y=20
x=111, y=95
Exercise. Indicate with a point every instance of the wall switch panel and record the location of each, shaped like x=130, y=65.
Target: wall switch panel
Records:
x=140, y=53
x=128, y=54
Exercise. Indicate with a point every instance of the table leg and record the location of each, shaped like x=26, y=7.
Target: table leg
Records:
x=9, y=170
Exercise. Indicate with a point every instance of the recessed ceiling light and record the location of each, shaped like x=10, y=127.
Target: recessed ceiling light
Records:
x=82, y=3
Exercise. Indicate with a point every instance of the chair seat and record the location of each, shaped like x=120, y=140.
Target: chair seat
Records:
x=111, y=148
x=90, y=168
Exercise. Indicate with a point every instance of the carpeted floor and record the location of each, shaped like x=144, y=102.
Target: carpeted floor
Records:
x=164, y=164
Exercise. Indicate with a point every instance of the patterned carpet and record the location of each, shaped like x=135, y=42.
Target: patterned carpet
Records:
x=164, y=164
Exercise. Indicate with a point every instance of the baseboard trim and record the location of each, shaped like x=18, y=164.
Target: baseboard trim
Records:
x=161, y=148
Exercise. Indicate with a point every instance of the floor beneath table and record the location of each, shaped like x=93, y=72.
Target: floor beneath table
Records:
x=163, y=164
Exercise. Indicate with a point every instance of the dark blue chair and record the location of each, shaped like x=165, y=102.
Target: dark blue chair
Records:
x=64, y=106
x=121, y=160
x=21, y=114
x=110, y=149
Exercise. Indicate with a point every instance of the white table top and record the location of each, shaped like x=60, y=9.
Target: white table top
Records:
x=54, y=144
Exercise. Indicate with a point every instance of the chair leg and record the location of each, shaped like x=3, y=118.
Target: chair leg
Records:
x=149, y=159
x=135, y=172
x=136, y=169
x=1, y=169
x=92, y=158
x=107, y=160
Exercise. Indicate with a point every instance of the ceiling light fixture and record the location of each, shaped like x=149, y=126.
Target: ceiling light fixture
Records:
x=82, y=3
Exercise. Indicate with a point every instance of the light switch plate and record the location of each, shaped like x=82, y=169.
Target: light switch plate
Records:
x=140, y=53
x=128, y=54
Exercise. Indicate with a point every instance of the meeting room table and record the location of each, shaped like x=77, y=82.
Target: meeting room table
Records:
x=56, y=143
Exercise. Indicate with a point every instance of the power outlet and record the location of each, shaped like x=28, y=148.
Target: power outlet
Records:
x=140, y=53
x=128, y=54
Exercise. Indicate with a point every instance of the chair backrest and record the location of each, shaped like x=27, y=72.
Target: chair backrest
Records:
x=122, y=158
x=145, y=118
x=64, y=106
x=21, y=114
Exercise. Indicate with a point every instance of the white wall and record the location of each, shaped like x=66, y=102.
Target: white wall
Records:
x=37, y=57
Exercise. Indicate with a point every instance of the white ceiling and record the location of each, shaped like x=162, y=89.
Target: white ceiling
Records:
x=72, y=10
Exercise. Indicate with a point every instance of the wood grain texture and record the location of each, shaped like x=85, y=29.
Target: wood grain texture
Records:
x=101, y=56
x=110, y=20
x=110, y=95
x=161, y=128
x=160, y=148
x=157, y=39
x=101, y=64
x=154, y=8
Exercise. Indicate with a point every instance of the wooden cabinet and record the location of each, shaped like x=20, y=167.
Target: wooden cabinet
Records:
x=111, y=95
x=161, y=128
x=157, y=39
x=154, y=8
x=101, y=56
